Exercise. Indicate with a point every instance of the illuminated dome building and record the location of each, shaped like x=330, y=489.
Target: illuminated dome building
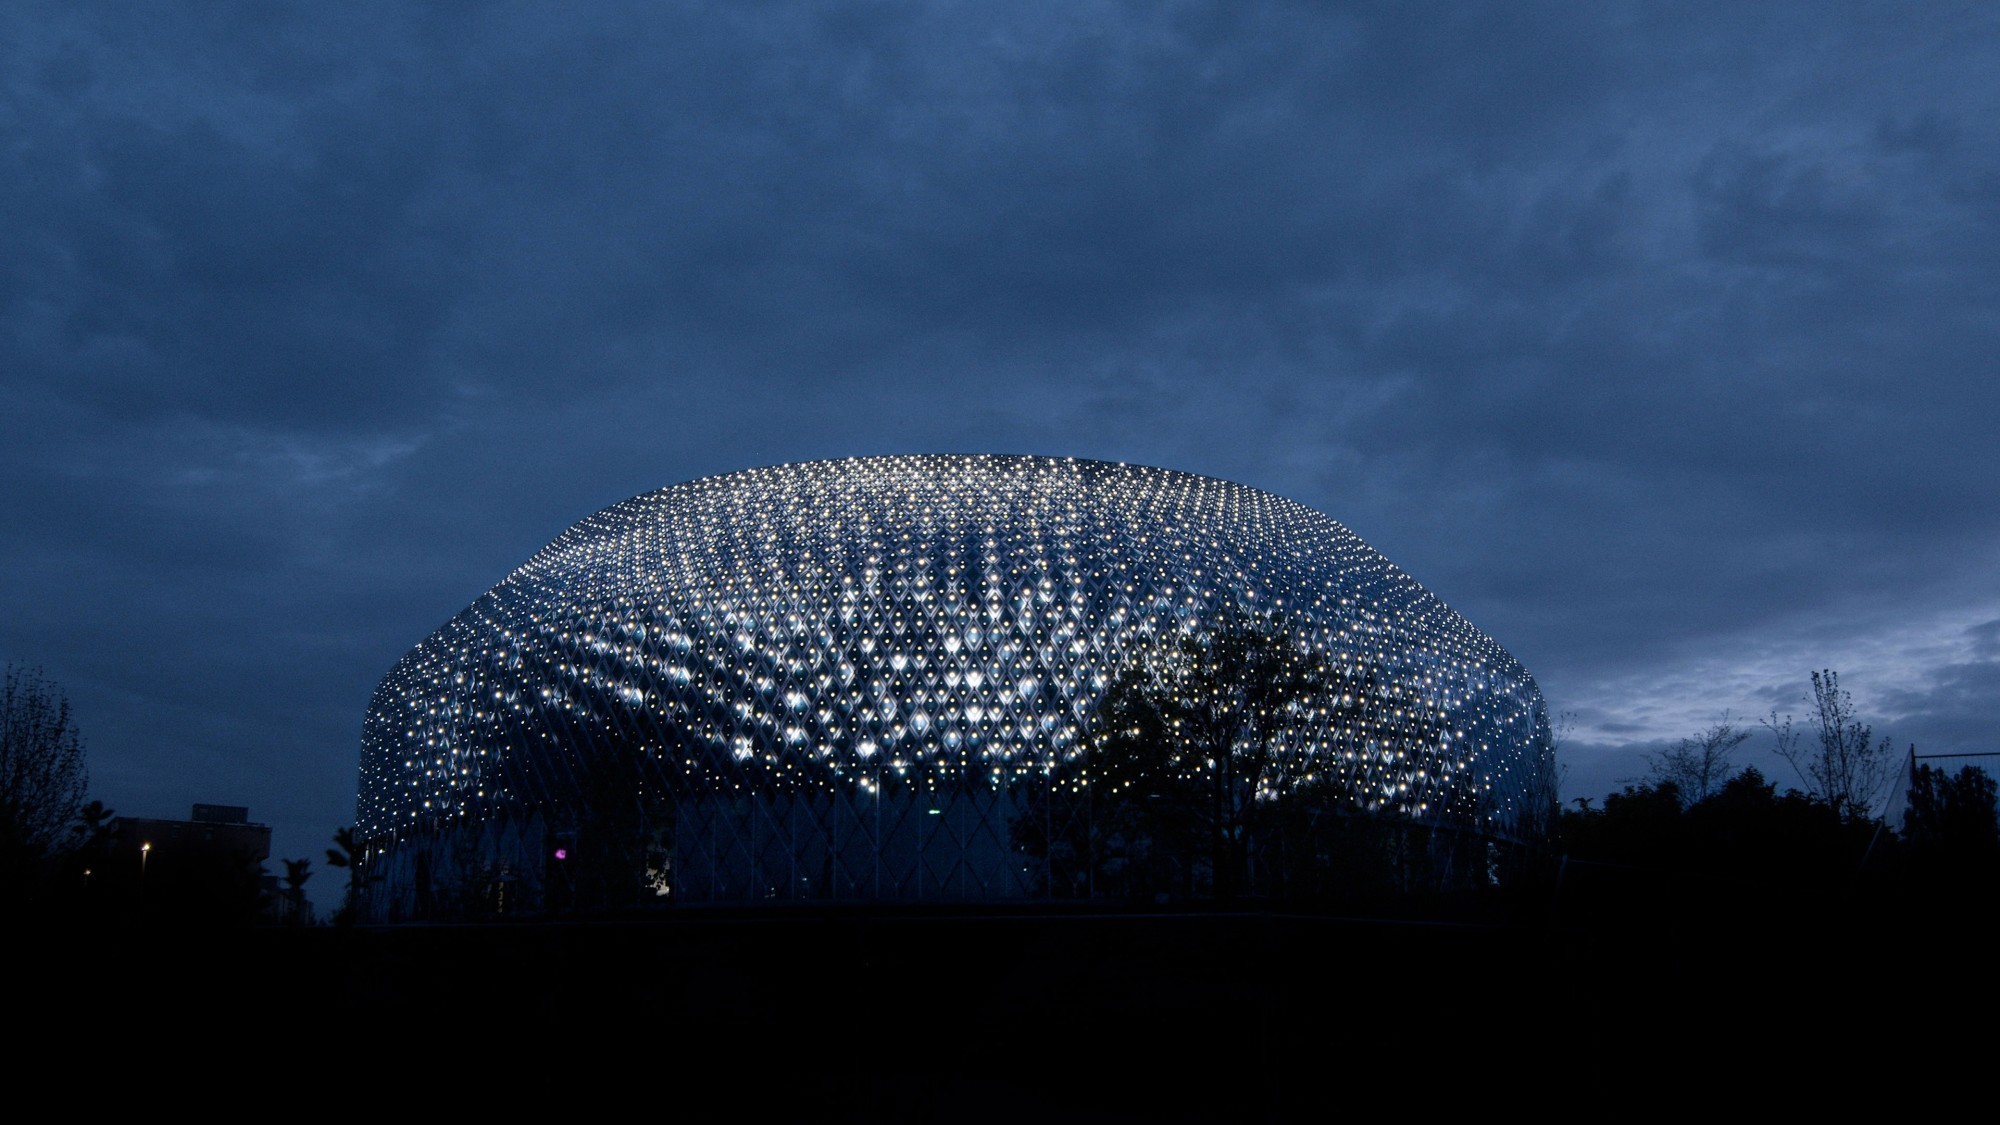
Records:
x=860, y=679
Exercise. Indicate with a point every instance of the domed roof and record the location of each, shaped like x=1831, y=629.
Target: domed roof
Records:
x=920, y=621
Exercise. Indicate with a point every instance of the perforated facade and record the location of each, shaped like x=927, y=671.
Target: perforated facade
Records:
x=848, y=679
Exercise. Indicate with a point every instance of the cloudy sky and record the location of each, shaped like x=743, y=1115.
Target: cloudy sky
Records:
x=1659, y=341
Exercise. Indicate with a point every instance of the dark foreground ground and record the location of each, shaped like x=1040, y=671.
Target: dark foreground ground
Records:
x=1031, y=1015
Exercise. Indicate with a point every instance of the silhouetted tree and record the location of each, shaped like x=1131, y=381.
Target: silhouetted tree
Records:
x=42, y=778
x=1750, y=832
x=1697, y=767
x=345, y=853
x=1195, y=747
x=1745, y=854
x=1840, y=760
x=297, y=871
x=1635, y=825
x=1953, y=815
x=93, y=823
x=85, y=873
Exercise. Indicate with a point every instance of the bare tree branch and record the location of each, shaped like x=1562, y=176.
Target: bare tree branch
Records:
x=1699, y=766
x=1840, y=760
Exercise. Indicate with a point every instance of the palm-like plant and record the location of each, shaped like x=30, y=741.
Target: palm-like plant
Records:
x=344, y=853
x=297, y=871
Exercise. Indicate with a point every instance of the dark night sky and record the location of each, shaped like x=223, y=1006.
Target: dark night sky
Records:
x=1660, y=342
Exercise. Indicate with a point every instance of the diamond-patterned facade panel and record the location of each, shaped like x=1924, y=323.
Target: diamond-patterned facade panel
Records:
x=847, y=679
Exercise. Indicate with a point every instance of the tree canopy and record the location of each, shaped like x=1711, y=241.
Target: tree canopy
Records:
x=42, y=774
x=1198, y=778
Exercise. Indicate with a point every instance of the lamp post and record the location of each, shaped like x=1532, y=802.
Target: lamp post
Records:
x=145, y=851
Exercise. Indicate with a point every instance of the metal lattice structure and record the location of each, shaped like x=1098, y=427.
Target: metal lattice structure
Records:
x=846, y=679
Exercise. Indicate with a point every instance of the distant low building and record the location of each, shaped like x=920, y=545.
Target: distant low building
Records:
x=207, y=867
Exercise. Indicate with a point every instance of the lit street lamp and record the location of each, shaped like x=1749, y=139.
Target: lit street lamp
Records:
x=145, y=850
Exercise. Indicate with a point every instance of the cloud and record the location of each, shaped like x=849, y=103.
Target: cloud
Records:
x=1951, y=710
x=1657, y=342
